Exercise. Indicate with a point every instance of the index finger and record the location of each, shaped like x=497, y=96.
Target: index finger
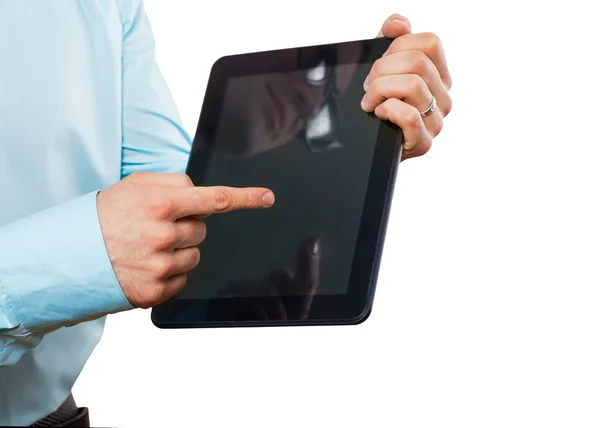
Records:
x=195, y=201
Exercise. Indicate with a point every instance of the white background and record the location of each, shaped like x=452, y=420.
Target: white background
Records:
x=488, y=305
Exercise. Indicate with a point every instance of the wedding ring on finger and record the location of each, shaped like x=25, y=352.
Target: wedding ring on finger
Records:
x=431, y=107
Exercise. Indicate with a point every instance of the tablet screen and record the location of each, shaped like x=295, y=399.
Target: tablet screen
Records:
x=304, y=135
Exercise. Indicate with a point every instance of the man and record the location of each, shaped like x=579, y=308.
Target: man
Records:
x=96, y=215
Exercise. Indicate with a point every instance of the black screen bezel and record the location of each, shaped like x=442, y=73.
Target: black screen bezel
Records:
x=354, y=306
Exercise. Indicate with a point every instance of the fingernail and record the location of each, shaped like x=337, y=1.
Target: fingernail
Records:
x=268, y=198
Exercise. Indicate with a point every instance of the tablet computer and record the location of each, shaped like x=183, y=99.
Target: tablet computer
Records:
x=290, y=120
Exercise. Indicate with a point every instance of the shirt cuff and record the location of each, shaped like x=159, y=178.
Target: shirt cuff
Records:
x=55, y=270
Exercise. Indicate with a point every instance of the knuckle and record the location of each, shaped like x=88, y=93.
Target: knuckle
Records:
x=412, y=118
x=432, y=41
x=180, y=282
x=417, y=84
x=184, y=180
x=385, y=109
x=251, y=200
x=222, y=200
x=377, y=69
x=161, y=267
x=164, y=237
x=419, y=61
x=395, y=46
x=414, y=56
x=156, y=294
x=447, y=81
x=160, y=207
x=377, y=87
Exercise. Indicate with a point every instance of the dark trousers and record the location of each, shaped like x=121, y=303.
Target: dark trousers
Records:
x=68, y=415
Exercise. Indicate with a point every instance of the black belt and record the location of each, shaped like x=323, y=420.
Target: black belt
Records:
x=68, y=415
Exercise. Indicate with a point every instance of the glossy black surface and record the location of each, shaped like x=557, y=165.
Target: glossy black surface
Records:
x=291, y=120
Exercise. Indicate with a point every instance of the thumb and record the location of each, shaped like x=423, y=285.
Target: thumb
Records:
x=395, y=26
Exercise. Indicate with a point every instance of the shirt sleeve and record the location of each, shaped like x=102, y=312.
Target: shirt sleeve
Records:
x=54, y=268
x=154, y=139
x=54, y=272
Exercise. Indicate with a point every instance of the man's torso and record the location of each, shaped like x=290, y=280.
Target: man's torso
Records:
x=60, y=137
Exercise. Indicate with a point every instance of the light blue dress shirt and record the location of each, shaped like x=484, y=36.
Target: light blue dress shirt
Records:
x=82, y=104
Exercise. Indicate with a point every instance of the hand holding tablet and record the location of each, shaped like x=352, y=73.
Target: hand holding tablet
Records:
x=320, y=126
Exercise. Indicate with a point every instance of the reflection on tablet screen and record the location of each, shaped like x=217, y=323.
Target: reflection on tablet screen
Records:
x=304, y=135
